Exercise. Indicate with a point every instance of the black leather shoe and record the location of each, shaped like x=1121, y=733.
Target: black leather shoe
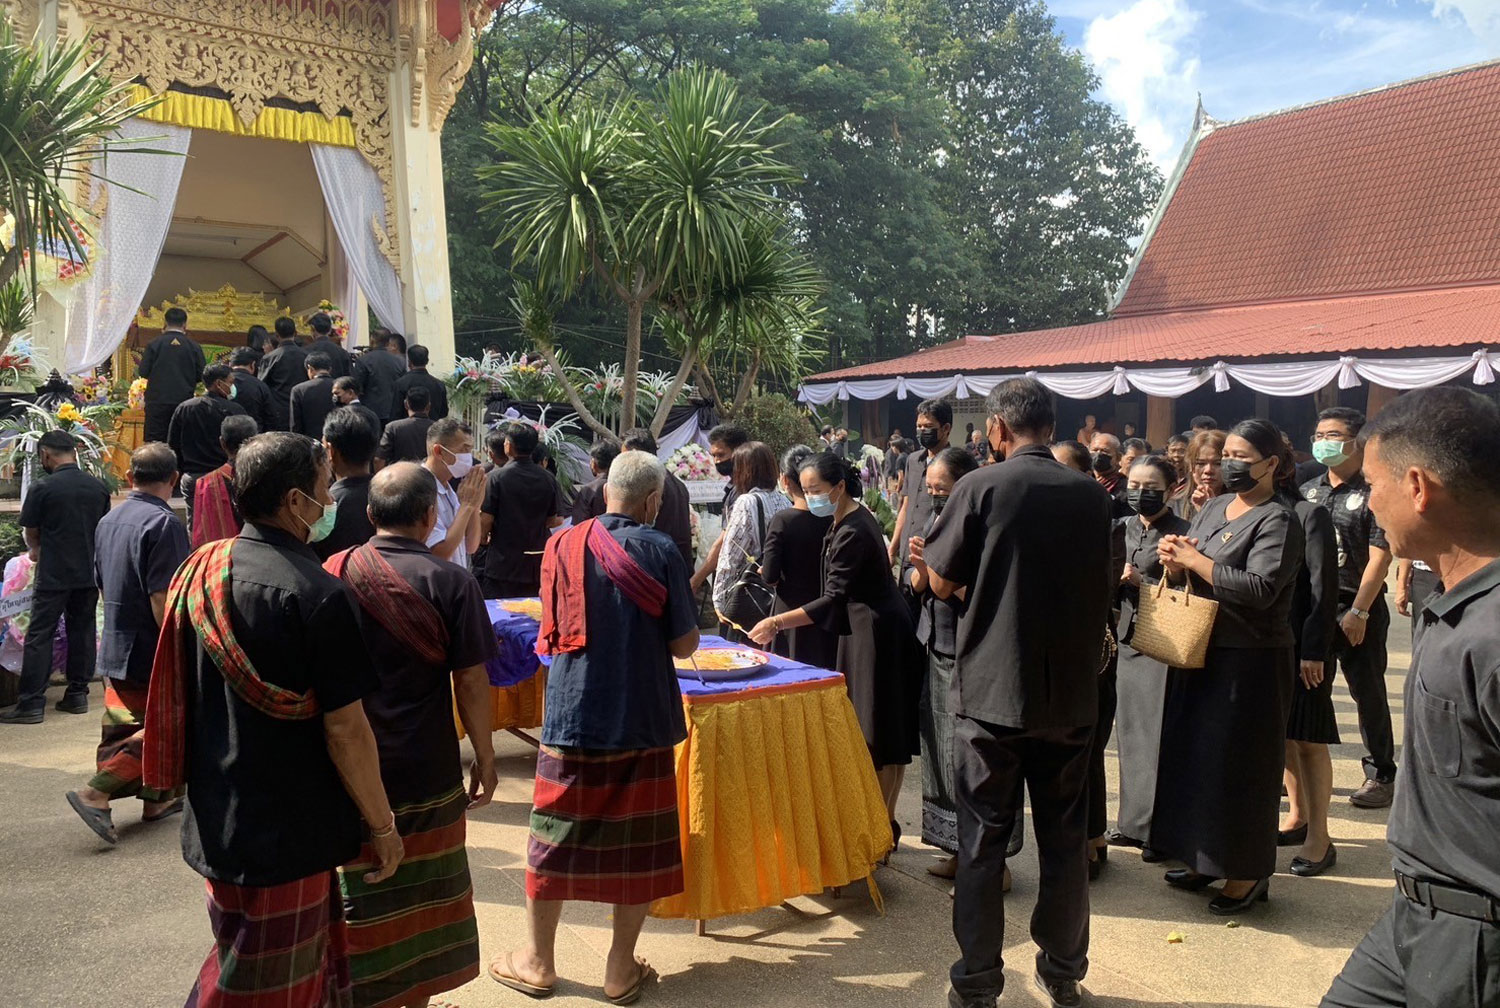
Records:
x=1060, y=993
x=1186, y=878
x=982, y=1001
x=79, y=706
x=1118, y=839
x=1307, y=869
x=1152, y=856
x=1224, y=906
x=1292, y=837
x=16, y=715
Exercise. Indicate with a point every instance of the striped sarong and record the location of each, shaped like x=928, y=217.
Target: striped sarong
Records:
x=279, y=945
x=414, y=935
x=604, y=826
x=118, y=759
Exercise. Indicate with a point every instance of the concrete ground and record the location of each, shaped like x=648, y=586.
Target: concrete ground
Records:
x=84, y=925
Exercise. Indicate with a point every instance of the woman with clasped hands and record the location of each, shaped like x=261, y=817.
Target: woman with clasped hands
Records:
x=1218, y=792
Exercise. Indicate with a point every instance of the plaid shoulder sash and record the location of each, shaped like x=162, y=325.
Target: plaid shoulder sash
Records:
x=395, y=604
x=564, y=622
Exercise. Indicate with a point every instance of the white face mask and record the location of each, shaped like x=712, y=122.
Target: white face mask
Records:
x=461, y=464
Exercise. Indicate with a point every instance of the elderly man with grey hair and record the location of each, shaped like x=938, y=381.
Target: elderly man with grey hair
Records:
x=604, y=814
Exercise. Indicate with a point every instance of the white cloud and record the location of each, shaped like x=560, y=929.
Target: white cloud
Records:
x=1482, y=16
x=1148, y=68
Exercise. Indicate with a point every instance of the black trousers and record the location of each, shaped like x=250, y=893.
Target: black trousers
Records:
x=186, y=486
x=1364, y=673
x=989, y=763
x=47, y=607
x=158, y=420
x=1418, y=958
x=1098, y=786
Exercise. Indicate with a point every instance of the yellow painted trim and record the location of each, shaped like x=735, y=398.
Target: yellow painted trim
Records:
x=201, y=112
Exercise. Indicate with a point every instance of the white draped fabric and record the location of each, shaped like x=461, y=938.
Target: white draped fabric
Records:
x=1277, y=378
x=356, y=202
x=687, y=432
x=346, y=293
x=142, y=194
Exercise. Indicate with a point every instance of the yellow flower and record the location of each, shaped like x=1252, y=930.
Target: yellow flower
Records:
x=68, y=413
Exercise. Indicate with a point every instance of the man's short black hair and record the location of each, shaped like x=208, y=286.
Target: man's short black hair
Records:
x=271, y=466
x=286, y=329
x=1025, y=405
x=603, y=454
x=235, y=430
x=418, y=399
x=242, y=356
x=320, y=324
x=58, y=441
x=416, y=355
x=639, y=439
x=401, y=495
x=349, y=382
x=1181, y=439
x=1136, y=445
x=827, y=430
x=730, y=436
x=216, y=373
x=1076, y=451
x=1346, y=415
x=938, y=409
x=1203, y=422
x=152, y=464
x=351, y=433
x=397, y=339
x=175, y=318
x=522, y=437
x=445, y=430
x=319, y=361
x=1449, y=431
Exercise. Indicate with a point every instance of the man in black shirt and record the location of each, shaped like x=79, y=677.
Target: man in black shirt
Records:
x=58, y=518
x=1363, y=560
x=171, y=366
x=934, y=426
x=250, y=392
x=674, y=519
x=378, y=369
x=588, y=502
x=406, y=440
x=195, y=428
x=1105, y=453
x=722, y=441
x=324, y=342
x=312, y=400
x=346, y=392
x=283, y=370
x=1014, y=540
x=349, y=437
x=416, y=374
x=522, y=503
x=1431, y=459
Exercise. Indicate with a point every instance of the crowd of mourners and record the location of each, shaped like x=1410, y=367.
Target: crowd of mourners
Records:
x=284, y=669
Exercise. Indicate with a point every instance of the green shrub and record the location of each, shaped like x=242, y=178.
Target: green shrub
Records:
x=12, y=543
x=777, y=421
x=876, y=502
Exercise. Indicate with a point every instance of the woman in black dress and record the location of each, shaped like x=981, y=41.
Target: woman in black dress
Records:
x=1142, y=680
x=791, y=563
x=1218, y=786
x=877, y=653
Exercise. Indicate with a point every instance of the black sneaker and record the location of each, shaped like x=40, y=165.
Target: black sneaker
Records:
x=977, y=1001
x=79, y=706
x=15, y=715
x=1060, y=993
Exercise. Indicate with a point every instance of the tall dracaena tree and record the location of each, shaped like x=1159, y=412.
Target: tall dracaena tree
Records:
x=58, y=115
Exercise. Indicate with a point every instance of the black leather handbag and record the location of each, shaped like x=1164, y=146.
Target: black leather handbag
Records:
x=750, y=599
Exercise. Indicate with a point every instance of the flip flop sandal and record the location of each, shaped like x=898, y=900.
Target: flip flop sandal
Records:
x=514, y=982
x=633, y=995
x=98, y=820
x=167, y=812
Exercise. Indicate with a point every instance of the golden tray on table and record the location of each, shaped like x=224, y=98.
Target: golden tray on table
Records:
x=524, y=607
x=720, y=663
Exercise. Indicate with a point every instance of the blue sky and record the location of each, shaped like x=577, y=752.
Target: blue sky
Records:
x=1248, y=56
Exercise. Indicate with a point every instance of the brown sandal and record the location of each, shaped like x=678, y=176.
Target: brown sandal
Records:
x=514, y=982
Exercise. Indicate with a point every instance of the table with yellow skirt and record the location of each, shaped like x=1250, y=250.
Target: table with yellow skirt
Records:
x=776, y=792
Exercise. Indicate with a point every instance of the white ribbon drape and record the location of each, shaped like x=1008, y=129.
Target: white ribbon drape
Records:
x=1276, y=378
x=141, y=198
x=687, y=432
x=356, y=202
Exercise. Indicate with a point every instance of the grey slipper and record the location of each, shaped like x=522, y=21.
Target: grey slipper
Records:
x=98, y=820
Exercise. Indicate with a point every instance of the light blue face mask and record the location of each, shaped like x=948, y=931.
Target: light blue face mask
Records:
x=318, y=530
x=820, y=504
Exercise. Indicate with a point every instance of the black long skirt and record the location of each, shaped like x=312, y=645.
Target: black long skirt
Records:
x=1142, y=689
x=883, y=669
x=1223, y=749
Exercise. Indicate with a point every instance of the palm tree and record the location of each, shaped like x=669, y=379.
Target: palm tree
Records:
x=58, y=114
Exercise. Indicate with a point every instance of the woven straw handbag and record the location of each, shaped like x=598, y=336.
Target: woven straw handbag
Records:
x=1173, y=626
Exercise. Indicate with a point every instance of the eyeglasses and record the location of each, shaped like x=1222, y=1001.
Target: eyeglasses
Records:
x=1332, y=437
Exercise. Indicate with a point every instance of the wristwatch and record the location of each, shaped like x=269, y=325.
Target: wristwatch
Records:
x=1363, y=614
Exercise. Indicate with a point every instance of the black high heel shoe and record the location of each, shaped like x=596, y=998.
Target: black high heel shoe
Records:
x=895, y=842
x=1225, y=906
x=1186, y=878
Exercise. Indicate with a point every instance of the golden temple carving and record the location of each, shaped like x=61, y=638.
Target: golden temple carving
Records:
x=449, y=62
x=223, y=310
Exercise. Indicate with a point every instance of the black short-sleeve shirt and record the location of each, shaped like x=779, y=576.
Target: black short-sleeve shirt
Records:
x=412, y=711
x=137, y=548
x=65, y=508
x=1354, y=525
x=1446, y=815
x=351, y=526
x=195, y=429
x=523, y=498
x=918, y=500
x=1031, y=540
x=265, y=804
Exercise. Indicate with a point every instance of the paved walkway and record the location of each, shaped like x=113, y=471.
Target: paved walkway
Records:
x=88, y=926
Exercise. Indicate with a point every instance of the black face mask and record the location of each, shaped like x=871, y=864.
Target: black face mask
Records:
x=1103, y=462
x=1237, y=475
x=1146, y=502
x=725, y=468
x=927, y=437
x=938, y=503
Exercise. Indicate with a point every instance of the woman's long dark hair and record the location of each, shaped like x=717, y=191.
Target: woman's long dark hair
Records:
x=1162, y=466
x=833, y=470
x=1266, y=438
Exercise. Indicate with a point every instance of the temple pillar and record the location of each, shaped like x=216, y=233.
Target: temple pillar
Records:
x=1379, y=398
x=1160, y=420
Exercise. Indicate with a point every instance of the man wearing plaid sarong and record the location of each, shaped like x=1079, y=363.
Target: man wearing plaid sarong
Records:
x=616, y=609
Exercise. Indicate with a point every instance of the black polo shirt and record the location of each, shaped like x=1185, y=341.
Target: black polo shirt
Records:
x=256, y=397
x=283, y=369
x=412, y=710
x=351, y=526
x=918, y=500
x=137, y=548
x=172, y=365
x=437, y=392
x=522, y=497
x=1446, y=815
x=589, y=501
x=312, y=401
x=65, y=508
x=404, y=440
x=1031, y=540
x=194, y=432
x=377, y=372
x=1354, y=526
x=343, y=364
x=265, y=804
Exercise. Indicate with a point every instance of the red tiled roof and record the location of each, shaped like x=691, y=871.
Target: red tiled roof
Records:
x=1464, y=316
x=1387, y=190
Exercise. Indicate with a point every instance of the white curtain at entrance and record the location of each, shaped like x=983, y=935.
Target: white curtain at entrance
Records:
x=136, y=218
x=355, y=200
x=346, y=293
